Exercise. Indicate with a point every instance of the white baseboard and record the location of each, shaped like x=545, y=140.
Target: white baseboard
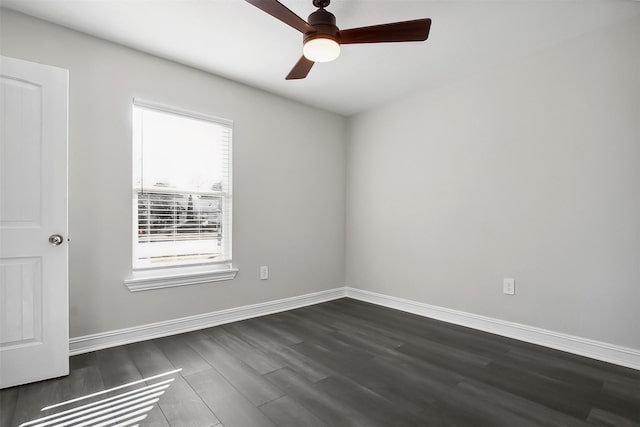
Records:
x=571, y=344
x=581, y=346
x=87, y=343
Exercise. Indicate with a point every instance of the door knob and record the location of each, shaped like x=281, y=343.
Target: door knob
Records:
x=55, y=239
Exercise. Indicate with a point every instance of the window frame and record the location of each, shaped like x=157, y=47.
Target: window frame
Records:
x=145, y=277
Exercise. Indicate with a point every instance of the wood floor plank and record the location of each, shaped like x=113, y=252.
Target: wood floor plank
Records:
x=304, y=325
x=116, y=367
x=181, y=355
x=231, y=407
x=394, y=330
x=326, y=407
x=33, y=397
x=182, y=406
x=420, y=370
x=398, y=386
x=244, y=351
x=240, y=413
x=251, y=384
x=347, y=349
x=413, y=329
x=516, y=379
x=148, y=359
x=8, y=400
x=211, y=386
x=303, y=365
x=378, y=410
x=368, y=336
x=342, y=320
x=155, y=418
x=271, y=326
x=285, y=412
x=280, y=353
x=619, y=398
x=540, y=366
x=439, y=416
x=581, y=366
x=257, y=337
x=532, y=411
x=551, y=392
x=441, y=355
x=599, y=417
x=82, y=360
x=460, y=409
x=82, y=382
x=418, y=333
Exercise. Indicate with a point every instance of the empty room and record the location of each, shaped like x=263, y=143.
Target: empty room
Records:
x=247, y=213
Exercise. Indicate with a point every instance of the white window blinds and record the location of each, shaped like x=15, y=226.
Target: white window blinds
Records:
x=182, y=187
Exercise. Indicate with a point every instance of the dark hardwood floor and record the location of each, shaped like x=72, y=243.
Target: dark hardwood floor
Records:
x=340, y=363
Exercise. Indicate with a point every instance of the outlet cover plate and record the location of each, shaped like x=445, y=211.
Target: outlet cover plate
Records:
x=264, y=272
x=509, y=286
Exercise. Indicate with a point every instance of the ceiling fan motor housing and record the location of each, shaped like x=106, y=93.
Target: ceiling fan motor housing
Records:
x=325, y=26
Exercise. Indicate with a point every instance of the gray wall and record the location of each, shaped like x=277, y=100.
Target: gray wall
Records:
x=529, y=171
x=289, y=163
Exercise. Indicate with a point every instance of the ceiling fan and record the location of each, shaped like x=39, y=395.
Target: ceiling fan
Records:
x=322, y=38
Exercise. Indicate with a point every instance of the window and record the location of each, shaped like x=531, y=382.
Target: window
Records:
x=181, y=197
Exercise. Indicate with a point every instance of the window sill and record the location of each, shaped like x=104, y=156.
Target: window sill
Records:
x=143, y=280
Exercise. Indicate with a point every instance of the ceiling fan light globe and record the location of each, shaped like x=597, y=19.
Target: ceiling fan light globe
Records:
x=321, y=49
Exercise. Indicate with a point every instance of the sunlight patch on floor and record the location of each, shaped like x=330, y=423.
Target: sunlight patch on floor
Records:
x=126, y=408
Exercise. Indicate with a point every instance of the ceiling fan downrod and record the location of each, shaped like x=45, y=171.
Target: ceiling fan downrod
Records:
x=321, y=4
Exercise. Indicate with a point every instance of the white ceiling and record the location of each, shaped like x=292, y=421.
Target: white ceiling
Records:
x=233, y=39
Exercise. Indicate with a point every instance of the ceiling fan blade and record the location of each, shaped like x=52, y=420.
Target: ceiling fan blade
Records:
x=405, y=31
x=301, y=69
x=279, y=11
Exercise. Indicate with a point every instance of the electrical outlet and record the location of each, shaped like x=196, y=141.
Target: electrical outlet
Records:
x=264, y=272
x=509, y=286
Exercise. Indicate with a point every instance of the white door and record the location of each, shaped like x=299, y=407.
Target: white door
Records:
x=34, y=319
